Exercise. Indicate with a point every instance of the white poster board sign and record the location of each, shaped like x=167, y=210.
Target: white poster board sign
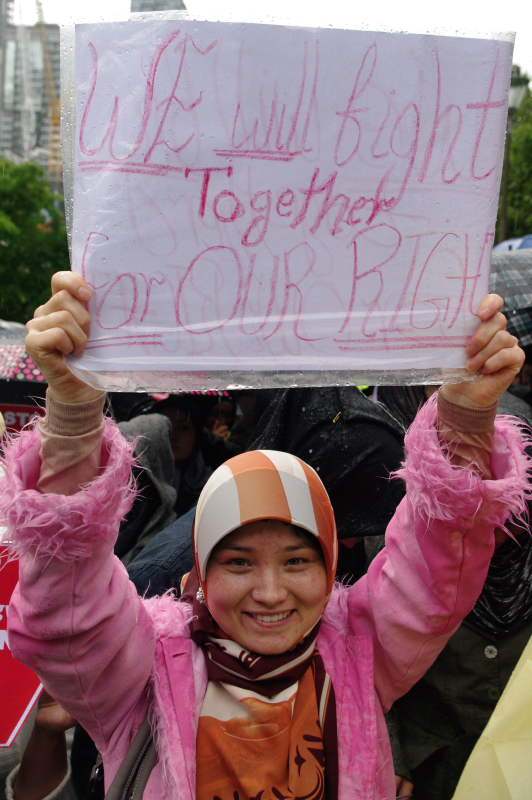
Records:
x=254, y=198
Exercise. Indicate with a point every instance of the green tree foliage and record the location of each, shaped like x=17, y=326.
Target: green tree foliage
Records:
x=33, y=242
x=520, y=175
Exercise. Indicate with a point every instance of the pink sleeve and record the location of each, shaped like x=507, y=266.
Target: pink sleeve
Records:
x=75, y=617
x=438, y=548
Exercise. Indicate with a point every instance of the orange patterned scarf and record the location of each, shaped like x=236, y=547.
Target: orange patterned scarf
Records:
x=254, y=747
x=267, y=727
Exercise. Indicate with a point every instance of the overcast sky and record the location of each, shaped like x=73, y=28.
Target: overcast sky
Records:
x=413, y=15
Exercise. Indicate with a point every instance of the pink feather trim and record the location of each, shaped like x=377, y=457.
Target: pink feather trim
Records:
x=170, y=615
x=439, y=490
x=65, y=527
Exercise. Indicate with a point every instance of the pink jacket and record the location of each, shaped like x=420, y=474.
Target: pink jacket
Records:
x=111, y=658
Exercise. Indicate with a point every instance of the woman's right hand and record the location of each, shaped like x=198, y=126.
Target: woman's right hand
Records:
x=59, y=328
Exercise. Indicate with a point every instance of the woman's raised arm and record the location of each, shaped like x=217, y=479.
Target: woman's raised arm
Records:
x=74, y=617
x=465, y=476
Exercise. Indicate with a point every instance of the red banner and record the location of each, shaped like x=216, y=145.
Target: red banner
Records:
x=19, y=686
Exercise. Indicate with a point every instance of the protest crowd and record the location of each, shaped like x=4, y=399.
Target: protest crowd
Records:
x=434, y=614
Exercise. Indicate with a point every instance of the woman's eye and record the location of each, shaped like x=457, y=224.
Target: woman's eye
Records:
x=297, y=561
x=238, y=562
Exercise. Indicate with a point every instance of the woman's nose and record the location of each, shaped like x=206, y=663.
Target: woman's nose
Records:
x=269, y=589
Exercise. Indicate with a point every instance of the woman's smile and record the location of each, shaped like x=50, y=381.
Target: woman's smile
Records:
x=271, y=620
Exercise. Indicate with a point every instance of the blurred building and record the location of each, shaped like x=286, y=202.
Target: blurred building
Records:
x=29, y=93
x=156, y=5
x=6, y=13
x=6, y=19
x=29, y=87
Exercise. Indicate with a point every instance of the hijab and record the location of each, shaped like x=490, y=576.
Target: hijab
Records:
x=267, y=726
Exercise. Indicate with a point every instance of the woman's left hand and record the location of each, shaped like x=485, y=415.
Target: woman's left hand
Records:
x=493, y=354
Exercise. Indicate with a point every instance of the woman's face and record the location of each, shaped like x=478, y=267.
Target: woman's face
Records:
x=266, y=586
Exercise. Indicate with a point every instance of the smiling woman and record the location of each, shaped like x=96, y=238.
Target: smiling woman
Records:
x=267, y=578
x=265, y=543
x=266, y=547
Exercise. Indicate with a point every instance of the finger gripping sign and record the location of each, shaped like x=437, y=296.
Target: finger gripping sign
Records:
x=254, y=199
x=19, y=686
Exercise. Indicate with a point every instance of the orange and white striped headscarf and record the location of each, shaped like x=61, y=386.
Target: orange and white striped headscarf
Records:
x=263, y=485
